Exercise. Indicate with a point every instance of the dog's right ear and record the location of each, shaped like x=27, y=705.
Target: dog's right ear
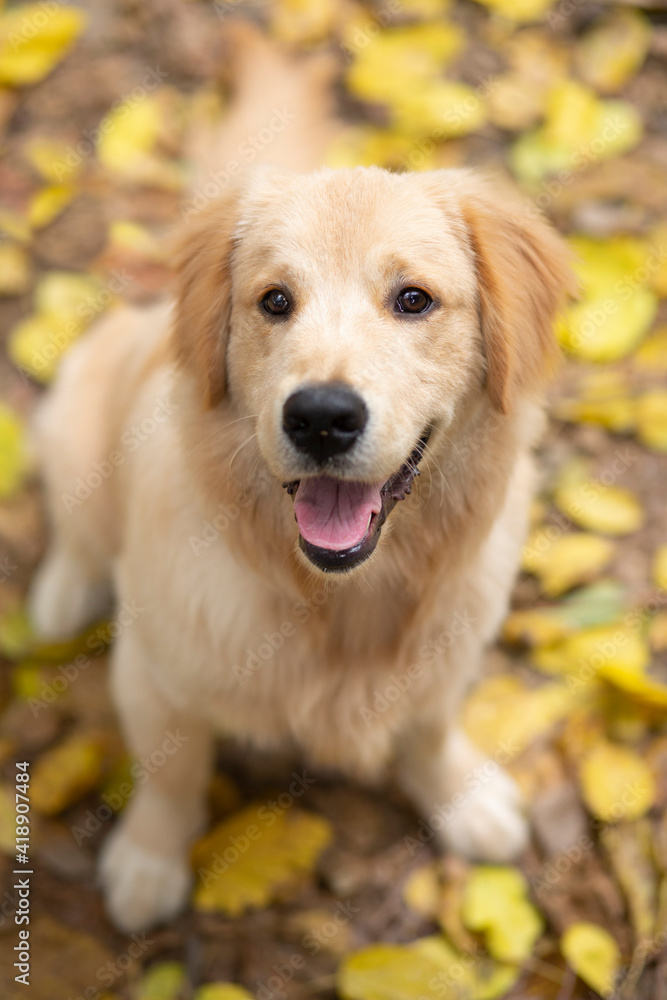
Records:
x=202, y=311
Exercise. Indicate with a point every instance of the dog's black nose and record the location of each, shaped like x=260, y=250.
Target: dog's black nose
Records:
x=324, y=420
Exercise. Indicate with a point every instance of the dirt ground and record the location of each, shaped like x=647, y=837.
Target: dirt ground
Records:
x=585, y=865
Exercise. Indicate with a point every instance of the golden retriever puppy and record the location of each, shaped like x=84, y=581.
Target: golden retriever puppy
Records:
x=312, y=480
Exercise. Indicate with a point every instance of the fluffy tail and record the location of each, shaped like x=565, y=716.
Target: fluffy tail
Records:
x=280, y=113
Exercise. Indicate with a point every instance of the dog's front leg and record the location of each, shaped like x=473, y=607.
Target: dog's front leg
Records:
x=468, y=801
x=144, y=867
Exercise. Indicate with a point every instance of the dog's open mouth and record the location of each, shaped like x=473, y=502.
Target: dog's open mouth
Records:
x=340, y=520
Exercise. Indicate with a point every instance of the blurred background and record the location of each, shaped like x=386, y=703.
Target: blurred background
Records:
x=344, y=895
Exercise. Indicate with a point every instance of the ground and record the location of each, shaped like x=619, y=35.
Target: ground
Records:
x=568, y=98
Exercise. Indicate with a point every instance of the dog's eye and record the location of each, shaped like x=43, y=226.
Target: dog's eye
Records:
x=412, y=300
x=276, y=302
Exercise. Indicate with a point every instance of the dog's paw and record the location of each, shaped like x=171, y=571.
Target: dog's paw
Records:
x=489, y=824
x=141, y=889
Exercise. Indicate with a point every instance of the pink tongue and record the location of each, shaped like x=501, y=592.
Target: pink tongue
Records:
x=334, y=513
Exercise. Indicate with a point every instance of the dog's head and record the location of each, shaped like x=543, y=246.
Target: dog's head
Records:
x=353, y=314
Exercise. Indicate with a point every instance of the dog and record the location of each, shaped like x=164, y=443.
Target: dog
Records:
x=321, y=473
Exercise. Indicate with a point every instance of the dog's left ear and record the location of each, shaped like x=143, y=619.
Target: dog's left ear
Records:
x=202, y=310
x=524, y=276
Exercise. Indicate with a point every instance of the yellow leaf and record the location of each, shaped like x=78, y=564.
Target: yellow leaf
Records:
x=502, y=711
x=652, y=419
x=565, y=561
x=594, y=955
x=641, y=687
x=65, y=774
x=579, y=130
x=657, y=632
x=222, y=991
x=128, y=135
x=617, y=413
x=163, y=981
x=613, y=50
x=131, y=236
x=55, y=161
x=482, y=980
x=13, y=461
x=390, y=972
x=302, y=22
x=33, y=40
x=443, y=108
x=399, y=59
x=519, y=10
x=592, y=649
x=660, y=567
x=616, y=782
x=609, y=327
x=495, y=902
x=48, y=203
x=652, y=353
x=422, y=891
x=15, y=270
x=255, y=855
x=65, y=305
x=595, y=506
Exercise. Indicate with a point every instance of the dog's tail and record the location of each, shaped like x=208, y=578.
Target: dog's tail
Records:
x=281, y=110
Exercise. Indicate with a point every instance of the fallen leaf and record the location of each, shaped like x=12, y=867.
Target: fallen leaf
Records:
x=616, y=782
x=483, y=979
x=163, y=981
x=652, y=419
x=397, y=60
x=68, y=965
x=579, y=129
x=65, y=305
x=495, y=903
x=502, y=712
x=598, y=604
x=64, y=774
x=33, y=41
x=652, y=352
x=15, y=270
x=48, y=203
x=422, y=890
x=565, y=561
x=613, y=50
x=55, y=161
x=13, y=460
x=389, y=972
x=256, y=854
x=519, y=10
x=630, y=848
x=591, y=650
x=593, y=954
x=222, y=991
x=596, y=506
